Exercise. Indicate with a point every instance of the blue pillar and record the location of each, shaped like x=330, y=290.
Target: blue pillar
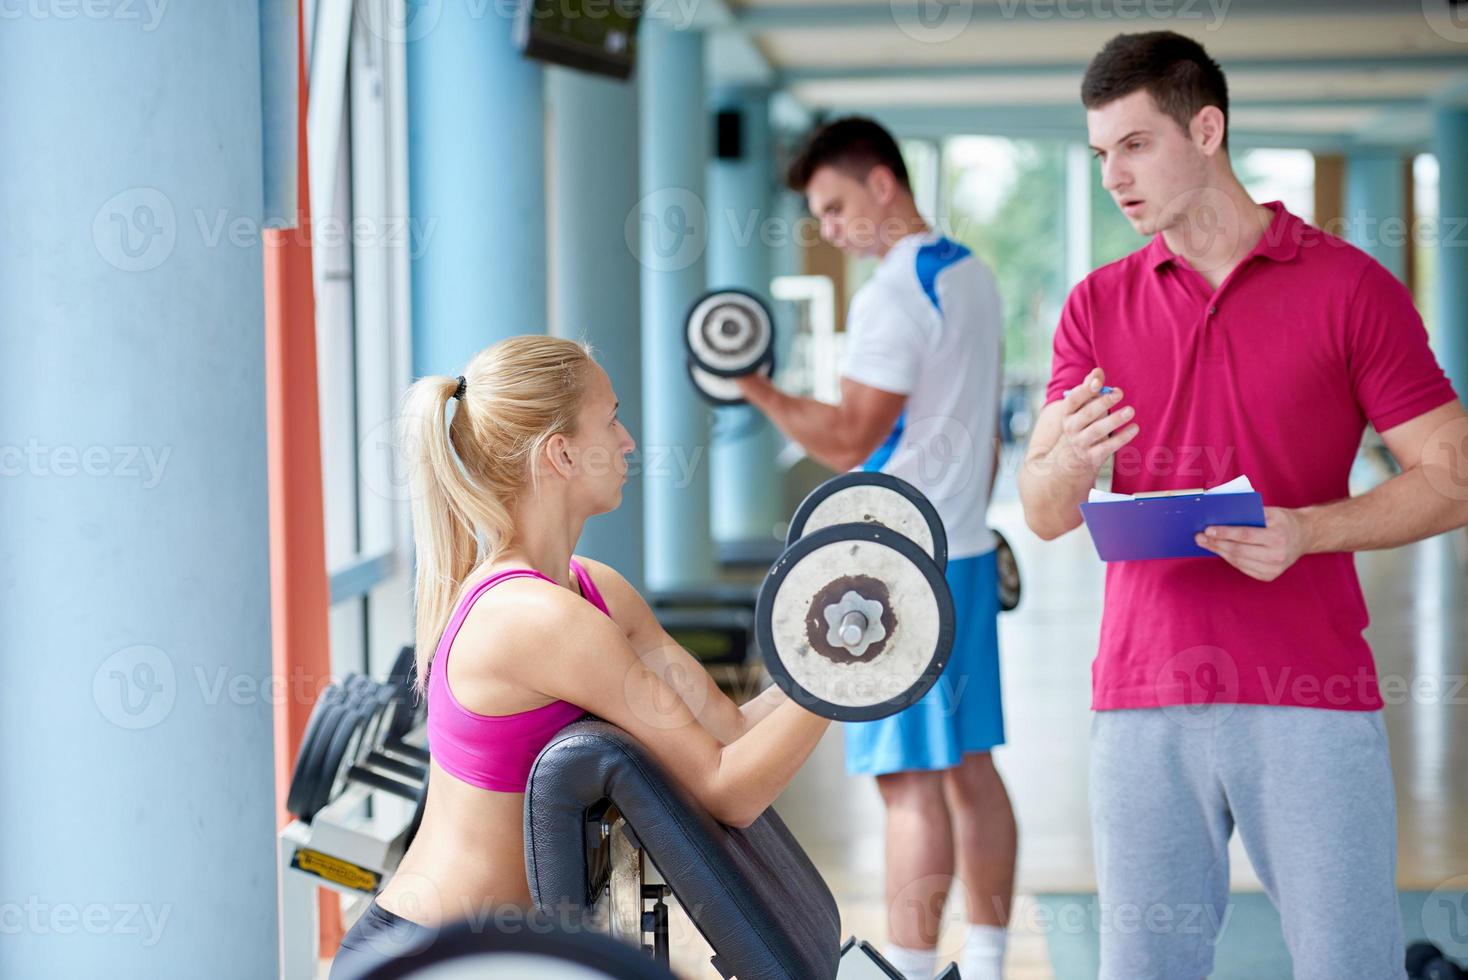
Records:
x=1376, y=218
x=1450, y=144
x=747, y=490
x=594, y=282
x=137, y=830
x=476, y=184
x=789, y=209
x=668, y=230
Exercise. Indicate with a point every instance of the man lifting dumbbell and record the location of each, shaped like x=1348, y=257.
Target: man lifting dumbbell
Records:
x=919, y=398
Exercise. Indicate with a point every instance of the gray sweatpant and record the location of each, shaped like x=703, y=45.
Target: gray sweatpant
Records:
x=1310, y=791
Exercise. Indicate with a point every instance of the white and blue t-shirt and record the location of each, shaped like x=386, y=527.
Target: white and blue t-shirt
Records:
x=927, y=325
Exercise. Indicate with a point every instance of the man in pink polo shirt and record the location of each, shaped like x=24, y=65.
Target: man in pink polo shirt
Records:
x=1237, y=691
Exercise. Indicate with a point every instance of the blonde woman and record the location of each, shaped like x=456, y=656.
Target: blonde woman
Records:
x=516, y=637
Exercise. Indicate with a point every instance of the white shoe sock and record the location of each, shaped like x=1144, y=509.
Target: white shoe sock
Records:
x=914, y=964
x=983, y=953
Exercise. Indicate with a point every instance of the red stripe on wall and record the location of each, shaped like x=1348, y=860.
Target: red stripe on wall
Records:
x=300, y=593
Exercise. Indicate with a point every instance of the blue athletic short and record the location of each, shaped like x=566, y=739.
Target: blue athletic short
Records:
x=963, y=711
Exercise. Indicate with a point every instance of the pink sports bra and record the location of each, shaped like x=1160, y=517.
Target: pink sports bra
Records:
x=493, y=751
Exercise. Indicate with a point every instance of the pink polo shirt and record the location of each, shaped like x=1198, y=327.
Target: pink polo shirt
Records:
x=1273, y=375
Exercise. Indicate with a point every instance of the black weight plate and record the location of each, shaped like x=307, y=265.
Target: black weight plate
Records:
x=401, y=679
x=401, y=674
x=302, y=787
x=1009, y=581
x=382, y=708
x=312, y=774
x=1419, y=954
x=339, y=755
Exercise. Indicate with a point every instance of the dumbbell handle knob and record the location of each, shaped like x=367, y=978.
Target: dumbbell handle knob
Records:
x=853, y=628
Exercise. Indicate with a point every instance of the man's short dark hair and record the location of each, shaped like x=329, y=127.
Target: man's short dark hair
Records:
x=853, y=145
x=1173, y=69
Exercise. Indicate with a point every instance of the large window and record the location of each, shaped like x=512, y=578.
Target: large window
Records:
x=361, y=241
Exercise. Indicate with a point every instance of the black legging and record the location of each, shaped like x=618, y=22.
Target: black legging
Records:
x=377, y=937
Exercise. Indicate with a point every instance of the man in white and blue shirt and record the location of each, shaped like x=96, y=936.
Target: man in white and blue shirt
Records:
x=920, y=385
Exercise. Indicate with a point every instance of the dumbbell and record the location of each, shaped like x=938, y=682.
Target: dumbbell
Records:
x=855, y=619
x=728, y=333
x=349, y=738
x=325, y=715
x=408, y=710
x=873, y=498
x=1425, y=961
x=356, y=755
x=1008, y=566
x=334, y=730
x=885, y=499
x=359, y=745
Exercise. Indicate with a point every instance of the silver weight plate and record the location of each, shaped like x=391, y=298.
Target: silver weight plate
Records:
x=873, y=498
x=729, y=332
x=720, y=391
x=892, y=658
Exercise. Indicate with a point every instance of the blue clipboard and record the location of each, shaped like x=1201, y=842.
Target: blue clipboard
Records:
x=1164, y=527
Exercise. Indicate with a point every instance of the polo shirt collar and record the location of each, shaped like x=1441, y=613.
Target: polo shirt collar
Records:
x=1279, y=242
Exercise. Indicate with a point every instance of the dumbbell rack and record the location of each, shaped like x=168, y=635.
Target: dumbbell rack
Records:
x=344, y=849
x=357, y=792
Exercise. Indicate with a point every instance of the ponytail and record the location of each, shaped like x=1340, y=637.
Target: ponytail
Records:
x=466, y=472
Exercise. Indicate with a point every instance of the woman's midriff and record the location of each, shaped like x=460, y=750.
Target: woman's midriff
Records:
x=467, y=859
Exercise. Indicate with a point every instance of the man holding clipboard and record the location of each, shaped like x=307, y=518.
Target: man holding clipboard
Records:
x=1236, y=690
